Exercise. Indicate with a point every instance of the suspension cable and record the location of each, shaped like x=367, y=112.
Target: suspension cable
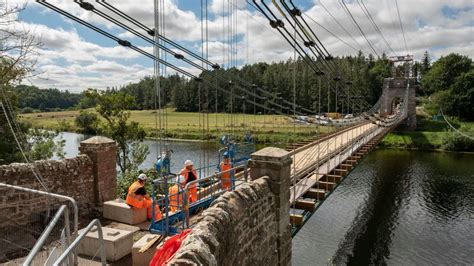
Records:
x=214, y=66
x=346, y=9
x=340, y=25
x=401, y=26
x=376, y=27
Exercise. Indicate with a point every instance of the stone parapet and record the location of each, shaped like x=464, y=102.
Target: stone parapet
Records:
x=102, y=151
x=72, y=177
x=238, y=229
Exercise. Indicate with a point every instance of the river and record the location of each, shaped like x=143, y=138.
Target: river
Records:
x=396, y=207
x=202, y=153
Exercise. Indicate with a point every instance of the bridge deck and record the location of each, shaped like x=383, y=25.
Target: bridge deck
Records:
x=322, y=157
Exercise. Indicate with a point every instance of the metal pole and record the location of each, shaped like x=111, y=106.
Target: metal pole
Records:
x=185, y=204
x=58, y=196
x=167, y=205
x=36, y=248
x=93, y=223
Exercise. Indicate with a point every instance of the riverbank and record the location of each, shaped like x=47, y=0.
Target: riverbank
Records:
x=265, y=129
x=432, y=136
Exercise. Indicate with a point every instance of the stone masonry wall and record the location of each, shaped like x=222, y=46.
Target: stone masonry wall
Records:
x=71, y=177
x=238, y=229
x=89, y=178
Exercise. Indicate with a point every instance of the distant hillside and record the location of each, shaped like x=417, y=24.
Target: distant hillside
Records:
x=31, y=98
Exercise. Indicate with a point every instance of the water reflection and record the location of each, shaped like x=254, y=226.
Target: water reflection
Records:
x=369, y=237
x=396, y=207
x=202, y=153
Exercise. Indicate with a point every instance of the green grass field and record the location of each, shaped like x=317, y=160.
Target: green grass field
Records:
x=186, y=125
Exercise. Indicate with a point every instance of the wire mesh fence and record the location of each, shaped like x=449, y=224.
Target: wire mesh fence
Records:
x=26, y=214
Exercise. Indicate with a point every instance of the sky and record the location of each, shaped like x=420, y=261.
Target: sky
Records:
x=73, y=57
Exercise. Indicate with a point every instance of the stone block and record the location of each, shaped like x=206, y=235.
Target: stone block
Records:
x=143, y=259
x=118, y=243
x=120, y=212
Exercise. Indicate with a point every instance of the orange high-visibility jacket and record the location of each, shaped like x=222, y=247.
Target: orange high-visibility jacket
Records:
x=134, y=199
x=175, y=198
x=192, y=188
x=226, y=177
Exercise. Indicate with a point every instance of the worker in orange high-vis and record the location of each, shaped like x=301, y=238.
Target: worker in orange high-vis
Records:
x=175, y=194
x=190, y=174
x=226, y=176
x=138, y=198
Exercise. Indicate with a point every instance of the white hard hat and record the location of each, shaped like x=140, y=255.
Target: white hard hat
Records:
x=142, y=177
x=188, y=163
x=180, y=179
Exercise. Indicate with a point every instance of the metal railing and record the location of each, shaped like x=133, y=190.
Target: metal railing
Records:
x=176, y=206
x=58, y=196
x=63, y=210
x=328, y=155
x=72, y=246
x=47, y=231
x=214, y=186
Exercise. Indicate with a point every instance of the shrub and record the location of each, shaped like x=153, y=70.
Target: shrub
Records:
x=87, y=122
x=457, y=142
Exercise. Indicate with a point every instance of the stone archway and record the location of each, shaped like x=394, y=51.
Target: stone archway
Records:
x=393, y=89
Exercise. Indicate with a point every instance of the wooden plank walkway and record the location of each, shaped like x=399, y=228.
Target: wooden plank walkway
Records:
x=305, y=162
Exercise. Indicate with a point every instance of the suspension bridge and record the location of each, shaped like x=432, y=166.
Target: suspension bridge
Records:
x=318, y=165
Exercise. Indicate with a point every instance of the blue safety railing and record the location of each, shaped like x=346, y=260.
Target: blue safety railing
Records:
x=177, y=208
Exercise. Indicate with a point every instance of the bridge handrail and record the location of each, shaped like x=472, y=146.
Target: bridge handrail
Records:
x=90, y=226
x=63, y=210
x=297, y=150
x=70, y=199
x=324, y=159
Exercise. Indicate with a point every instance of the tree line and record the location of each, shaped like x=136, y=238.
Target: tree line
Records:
x=448, y=81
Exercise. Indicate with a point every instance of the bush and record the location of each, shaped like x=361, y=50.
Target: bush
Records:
x=454, y=141
x=87, y=122
x=27, y=110
x=64, y=125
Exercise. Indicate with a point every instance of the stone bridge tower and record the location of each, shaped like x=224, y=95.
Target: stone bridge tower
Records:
x=393, y=92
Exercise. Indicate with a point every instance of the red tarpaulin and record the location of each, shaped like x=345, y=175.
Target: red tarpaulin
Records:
x=169, y=248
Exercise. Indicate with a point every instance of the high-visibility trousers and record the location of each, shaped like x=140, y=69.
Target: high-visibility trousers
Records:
x=175, y=198
x=148, y=203
x=226, y=184
x=193, y=194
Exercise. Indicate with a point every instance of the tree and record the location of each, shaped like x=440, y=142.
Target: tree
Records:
x=425, y=63
x=45, y=99
x=450, y=81
x=44, y=146
x=87, y=122
x=16, y=49
x=114, y=108
x=462, y=93
x=9, y=151
x=444, y=72
x=17, y=46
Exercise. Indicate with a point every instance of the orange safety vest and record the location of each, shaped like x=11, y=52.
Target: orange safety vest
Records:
x=192, y=188
x=134, y=199
x=226, y=177
x=175, y=198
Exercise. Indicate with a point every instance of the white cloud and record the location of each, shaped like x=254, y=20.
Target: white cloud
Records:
x=89, y=64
